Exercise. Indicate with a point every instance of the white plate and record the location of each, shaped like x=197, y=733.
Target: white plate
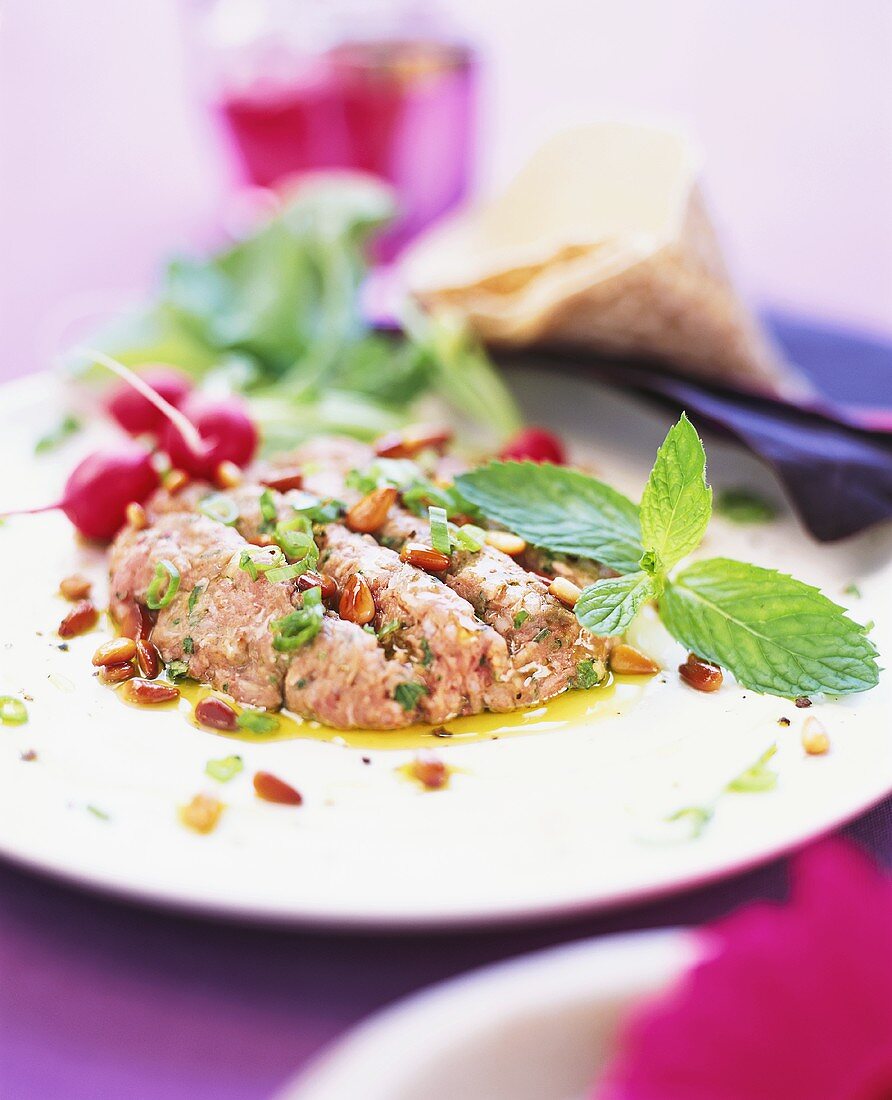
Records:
x=539, y=1027
x=563, y=821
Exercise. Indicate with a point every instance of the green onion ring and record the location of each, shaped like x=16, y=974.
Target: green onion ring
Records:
x=286, y=572
x=13, y=712
x=466, y=538
x=220, y=508
x=164, y=570
x=439, y=530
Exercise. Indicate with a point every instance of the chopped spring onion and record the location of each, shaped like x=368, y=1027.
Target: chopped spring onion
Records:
x=257, y=721
x=287, y=572
x=295, y=537
x=246, y=562
x=165, y=571
x=468, y=537
x=323, y=511
x=257, y=560
x=13, y=712
x=439, y=530
x=220, y=508
x=301, y=626
x=224, y=769
x=758, y=777
x=268, y=510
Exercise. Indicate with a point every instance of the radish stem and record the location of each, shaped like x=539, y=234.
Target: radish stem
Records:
x=185, y=426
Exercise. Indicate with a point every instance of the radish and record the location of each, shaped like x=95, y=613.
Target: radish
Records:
x=227, y=432
x=101, y=486
x=138, y=415
x=536, y=445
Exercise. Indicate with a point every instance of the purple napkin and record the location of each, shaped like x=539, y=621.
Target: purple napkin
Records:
x=833, y=457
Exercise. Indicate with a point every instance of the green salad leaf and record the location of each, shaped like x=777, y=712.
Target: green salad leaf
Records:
x=775, y=633
x=558, y=509
x=677, y=502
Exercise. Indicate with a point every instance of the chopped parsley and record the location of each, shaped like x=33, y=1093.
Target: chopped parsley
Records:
x=195, y=594
x=587, y=676
x=428, y=659
x=177, y=670
x=188, y=645
x=542, y=635
x=408, y=694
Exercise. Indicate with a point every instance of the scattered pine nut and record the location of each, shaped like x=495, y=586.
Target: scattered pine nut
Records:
x=508, y=543
x=118, y=651
x=565, y=591
x=76, y=587
x=136, y=516
x=228, y=475
x=815, y=740
x=626, y=660
x=201, y=814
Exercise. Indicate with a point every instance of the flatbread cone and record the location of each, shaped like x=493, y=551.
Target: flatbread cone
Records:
x=601, y=243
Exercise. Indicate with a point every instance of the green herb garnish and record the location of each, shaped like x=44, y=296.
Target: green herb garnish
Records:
x=177, y=670
x=13, y=712
x=295, y=538
x=257, y=721
x=439, y=530
x=224, y=769
x=325, y=511
x=774, y=633
x=757, y=777
x=220, y=508
x=408, y=694
x=520, y=618
x=164, y=586
x=268, y=510
x=66, y=428
x=301, y=625
x=559, y=509
x=468, y=537
x=389, y=628
x=428, y=654
x=195, y=594
x=744, y=506
x=247, y=563
x=587, y=676
x=188, y=645
x=96, y=812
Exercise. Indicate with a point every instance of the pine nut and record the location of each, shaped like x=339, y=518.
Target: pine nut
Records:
x=216, y=714
x=136, y=516
x=411, y=441
x=370, y=513
x=565, y=591
x=284, y=481
x=116, y=674
x=425, y=557
x=148, y=658
x=312, y=579
x=228, y=475
x=430, y=771
x=202, y=813
x=75, y=587
x=357, y=604
x=176, y=480
x=81, y=618
x=134, y=621
x=272, y=789
x=626, y=660
x=815, y=740
x=700, y=674
x=508, y=543
x=151, y=692
x=116, y=652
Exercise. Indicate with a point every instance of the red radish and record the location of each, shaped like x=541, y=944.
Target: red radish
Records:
x=100, y=487
x=536, y=445
x=135, y=413
x=227, y=432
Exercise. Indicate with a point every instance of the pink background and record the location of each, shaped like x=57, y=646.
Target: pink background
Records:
x=107, y=160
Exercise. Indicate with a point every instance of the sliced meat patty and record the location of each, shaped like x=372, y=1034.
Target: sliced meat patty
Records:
x=457, y=657
x=342, y=677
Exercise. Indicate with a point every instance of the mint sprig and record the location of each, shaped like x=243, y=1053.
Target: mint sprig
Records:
x=559, y=509
x=774, y=633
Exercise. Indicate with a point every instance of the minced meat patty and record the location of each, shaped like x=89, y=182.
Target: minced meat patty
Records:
x=486, y=634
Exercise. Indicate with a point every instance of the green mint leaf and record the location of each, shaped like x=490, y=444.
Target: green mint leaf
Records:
x=776, y=634
x=608, y=607
x=744, y=506
x=558, y=509
x=677, y=502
